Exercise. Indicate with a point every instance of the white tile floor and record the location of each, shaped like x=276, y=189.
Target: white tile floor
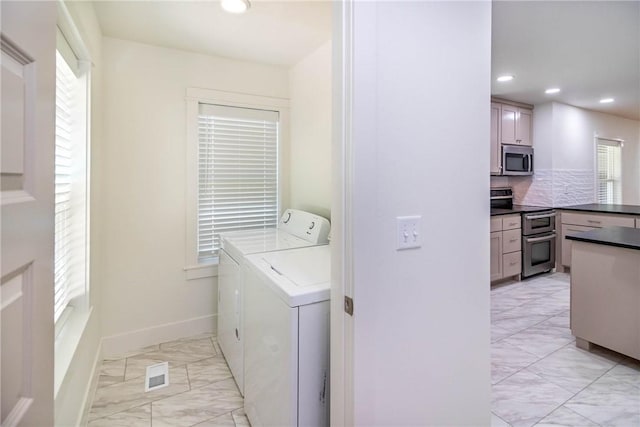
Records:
x=540, y=377
x=201, y=391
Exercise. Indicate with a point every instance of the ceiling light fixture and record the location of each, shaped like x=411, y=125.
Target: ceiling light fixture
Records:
x=606, y=100
x=506, y=78
x=552, y=90
x=235, y=6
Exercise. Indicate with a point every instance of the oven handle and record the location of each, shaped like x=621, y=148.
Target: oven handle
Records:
x=540, y=239
x=548, y=215
x=501, y=197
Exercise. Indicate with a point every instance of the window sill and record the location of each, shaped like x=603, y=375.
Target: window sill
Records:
x=201, y=271
x=66, y=344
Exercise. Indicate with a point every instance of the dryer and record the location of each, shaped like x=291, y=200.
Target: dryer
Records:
x=296, y=229
x=287, y=337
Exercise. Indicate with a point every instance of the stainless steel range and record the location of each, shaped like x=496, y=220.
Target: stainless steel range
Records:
x=538, y=232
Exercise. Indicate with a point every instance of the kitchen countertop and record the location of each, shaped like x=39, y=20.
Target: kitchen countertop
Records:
x=604, y=208
x=623, y=237
x=518, y=209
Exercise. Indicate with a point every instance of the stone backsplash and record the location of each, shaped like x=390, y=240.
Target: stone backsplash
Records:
x=557, y=187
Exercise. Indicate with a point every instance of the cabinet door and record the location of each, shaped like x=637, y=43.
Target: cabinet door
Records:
x=496, y=255
x=637, y=222
x=566, y=244
x=508, y=117
x=495, y=139
x=524, y=127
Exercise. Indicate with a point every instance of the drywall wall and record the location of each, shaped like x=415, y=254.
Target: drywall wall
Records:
x=421, y=316
x=310, y=137
x=73, y=398
x=574, y=149
x=145, y=295
x=564, y=144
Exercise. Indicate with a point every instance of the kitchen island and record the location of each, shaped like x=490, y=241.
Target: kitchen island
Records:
x=605, y=289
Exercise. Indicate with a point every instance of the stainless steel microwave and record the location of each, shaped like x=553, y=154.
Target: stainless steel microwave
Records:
x=517, y=160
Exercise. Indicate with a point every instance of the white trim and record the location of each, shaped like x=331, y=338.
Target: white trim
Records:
x=119, y=344
x=11, y=291
x=193, y=97
x=201, y=271
x=66, y=344
x=71, y=32
x=92, y=385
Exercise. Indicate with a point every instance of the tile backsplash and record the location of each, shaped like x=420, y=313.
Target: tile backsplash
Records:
x=551, y=187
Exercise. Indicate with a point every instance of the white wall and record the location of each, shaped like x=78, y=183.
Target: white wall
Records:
x=76, y=391
x=565, y=156
x=145, y=295
x=310, y=145
x=421, y=317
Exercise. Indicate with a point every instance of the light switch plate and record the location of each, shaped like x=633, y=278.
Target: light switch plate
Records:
x=409, y=234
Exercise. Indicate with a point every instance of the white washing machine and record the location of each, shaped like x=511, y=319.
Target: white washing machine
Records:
x=287, y=337
x=296, y=229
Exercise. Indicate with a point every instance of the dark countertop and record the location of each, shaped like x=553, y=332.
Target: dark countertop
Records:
x=623, y=237
x=518, y=209
x=603, y=208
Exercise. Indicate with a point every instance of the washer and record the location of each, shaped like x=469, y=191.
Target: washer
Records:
x=287, y=337
x=296, y=229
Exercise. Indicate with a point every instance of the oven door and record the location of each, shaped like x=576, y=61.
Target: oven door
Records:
x=538, y=253
x=539, y=222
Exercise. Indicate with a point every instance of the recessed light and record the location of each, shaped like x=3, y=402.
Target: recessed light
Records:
x=235, y=6
x=606, y=100
x=505, y=78
x=552, y=90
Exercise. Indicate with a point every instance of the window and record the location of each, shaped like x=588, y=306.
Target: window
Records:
x=70, y=248
x=237, y=173
x=235, y=169
x=608, y=171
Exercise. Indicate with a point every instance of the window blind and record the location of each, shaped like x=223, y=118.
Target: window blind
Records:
x=609, y=176
x=237, y=172
x=65, y=96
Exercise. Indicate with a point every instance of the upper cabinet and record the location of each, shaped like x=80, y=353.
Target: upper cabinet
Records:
x=515, y=125
x=511, y=124
x=495, y=139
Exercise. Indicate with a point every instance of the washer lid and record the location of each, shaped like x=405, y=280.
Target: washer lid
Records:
x=241, y=243
x=297, y=276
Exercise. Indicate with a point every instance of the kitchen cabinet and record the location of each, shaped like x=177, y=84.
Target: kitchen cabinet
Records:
x=496, y=152
x=496, y=255
x=506, y=247
x=576, y=222
x=515, y=125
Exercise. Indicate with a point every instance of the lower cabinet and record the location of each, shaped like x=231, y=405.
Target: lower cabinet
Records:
x=576, y=222
x=496, y=255
x=506, y=247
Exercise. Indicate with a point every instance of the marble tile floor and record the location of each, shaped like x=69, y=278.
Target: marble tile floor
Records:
x=539, y=377
x=201, y=390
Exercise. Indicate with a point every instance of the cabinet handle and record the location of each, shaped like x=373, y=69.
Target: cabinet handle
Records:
x=512, y=263
x=593, y=221
x=513, y=240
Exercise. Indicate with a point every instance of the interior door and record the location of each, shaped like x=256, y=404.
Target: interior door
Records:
x=26, y=203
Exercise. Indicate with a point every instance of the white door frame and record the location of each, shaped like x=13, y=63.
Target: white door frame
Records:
x=341, y=242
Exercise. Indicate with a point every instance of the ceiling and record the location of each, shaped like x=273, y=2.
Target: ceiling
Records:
x=589, y=49
x=272, y=32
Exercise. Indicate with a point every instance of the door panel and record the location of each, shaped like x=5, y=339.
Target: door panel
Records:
x=508, y=117
x=26, y=200
x=524, y=127
x=496, y=255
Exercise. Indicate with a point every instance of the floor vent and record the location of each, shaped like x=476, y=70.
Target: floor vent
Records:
x=157, y=376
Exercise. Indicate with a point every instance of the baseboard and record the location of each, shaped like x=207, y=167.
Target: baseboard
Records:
x=90, y=393
x=120, y=344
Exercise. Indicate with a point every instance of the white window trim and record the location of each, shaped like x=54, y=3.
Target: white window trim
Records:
x=194, y=96
x=69, y=330
x=596, y=137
